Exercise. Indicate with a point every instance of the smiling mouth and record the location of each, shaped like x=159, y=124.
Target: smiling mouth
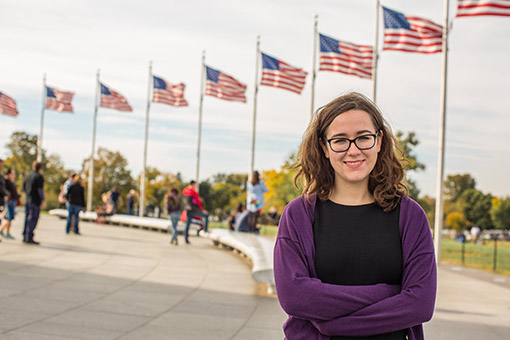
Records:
x=353, y=164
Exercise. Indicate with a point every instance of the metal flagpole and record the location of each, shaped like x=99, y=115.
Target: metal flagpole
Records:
x=39, y=140
x=254, y=121
x=202, y=90
x=142, y=179
x=91, y=169
x=376, y=54
x=438, y=220
x=314, y=63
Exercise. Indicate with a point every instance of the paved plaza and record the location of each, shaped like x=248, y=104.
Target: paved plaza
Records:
x=121, y=283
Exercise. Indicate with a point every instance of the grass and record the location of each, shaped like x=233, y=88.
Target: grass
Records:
x=480, y=256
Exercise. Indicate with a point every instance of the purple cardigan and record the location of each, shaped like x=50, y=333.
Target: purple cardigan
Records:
x=319, y=310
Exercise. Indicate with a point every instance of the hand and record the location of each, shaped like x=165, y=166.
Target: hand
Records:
x=43, y=205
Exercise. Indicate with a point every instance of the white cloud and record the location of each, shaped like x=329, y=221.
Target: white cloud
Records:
x=70, y=40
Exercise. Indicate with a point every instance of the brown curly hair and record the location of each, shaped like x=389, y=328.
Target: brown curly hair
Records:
x=386, y=181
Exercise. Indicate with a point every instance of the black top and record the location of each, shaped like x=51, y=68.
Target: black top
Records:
x=173, y=203
x=76, y=195
x=11, y=190
x=33, y=187
x=358, y=245
x=3, y=191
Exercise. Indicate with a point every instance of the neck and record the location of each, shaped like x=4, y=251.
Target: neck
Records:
x=351, y=193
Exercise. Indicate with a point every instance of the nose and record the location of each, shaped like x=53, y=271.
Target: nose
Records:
x=353, y=149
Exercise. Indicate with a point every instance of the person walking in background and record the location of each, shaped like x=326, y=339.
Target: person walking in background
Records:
x=3, y=192
x=174, y=205
x=193, y=208
x=33, y=186
x=76, y=202
x=130, y=202
x=115, y=197
x=255, y=199
x=354, y=256
x=11, y=203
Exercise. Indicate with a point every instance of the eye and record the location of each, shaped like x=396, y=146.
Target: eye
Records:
x=364, y=138
x=339, y=141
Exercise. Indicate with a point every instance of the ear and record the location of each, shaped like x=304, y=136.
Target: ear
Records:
x=324, y=147
x=379, y=142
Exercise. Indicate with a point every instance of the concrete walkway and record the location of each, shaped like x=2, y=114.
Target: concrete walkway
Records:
x=121, y=283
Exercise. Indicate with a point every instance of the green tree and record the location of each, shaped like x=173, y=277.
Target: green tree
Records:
x=500, y=212
x=455, y=185
x=428, y=204
x=281, y=188
x=456, y=220
x=54, y=177
x=410, y=160
x=110, y=168
x=227, y=191
x=476, y=207
x=205, y=190
x=23, y=152
x=157, y=186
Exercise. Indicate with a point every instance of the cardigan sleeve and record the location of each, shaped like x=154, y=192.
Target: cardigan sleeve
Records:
x=303, y=296
x=413, y=305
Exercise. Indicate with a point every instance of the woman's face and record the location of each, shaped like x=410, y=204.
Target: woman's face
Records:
x=352, y=166
x=12, y=176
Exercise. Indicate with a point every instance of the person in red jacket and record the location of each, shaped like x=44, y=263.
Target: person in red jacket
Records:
x=193, y=207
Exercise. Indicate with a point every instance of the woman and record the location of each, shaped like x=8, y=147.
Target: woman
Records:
x=255, y=200
x=174, y=204
x=12, y=200
x=354, y=257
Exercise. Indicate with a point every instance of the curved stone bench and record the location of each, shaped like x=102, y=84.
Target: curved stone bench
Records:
x=259, y=249
x=150, y=223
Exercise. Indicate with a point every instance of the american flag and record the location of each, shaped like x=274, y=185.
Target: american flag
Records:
x=113, y=100
x=345, y=57
x=411, y=34
x=223, y=86
x=280, y=74
x=166, y=93
x=8, y=105
x=466, y=8
x=58, y=100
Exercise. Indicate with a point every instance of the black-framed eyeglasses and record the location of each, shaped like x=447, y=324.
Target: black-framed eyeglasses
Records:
x=364, y=142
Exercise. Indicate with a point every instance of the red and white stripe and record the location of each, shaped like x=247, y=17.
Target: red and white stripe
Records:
x=466, y=8
x=115, y=101
x=173, y=95
x=8, y=105
x=353, y=59
x=62, y=102
x=288, y=77
x=425, y=36
x=227, y=88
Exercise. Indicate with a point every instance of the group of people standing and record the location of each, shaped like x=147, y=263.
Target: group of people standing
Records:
x=188, y=207
x=10, y=199
x=245, y=217
x=185, y=207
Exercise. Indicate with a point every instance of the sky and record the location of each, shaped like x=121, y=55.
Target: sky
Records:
x=70, y=40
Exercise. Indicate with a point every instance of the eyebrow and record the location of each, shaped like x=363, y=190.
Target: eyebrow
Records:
x=341, y=134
